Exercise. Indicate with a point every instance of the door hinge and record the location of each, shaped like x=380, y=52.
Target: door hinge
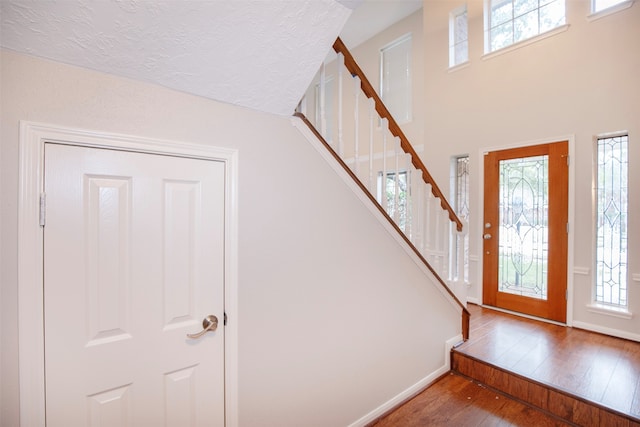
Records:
x=566, y=294
x=567, y=228
x=43, y=208
x=224, y=319
x=568, y=160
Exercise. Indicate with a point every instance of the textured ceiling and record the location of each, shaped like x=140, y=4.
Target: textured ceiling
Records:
x=258, y=54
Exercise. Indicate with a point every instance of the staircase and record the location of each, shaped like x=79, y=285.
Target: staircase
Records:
x=355, y=126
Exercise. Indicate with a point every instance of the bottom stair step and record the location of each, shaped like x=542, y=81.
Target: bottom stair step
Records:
x=559, y=403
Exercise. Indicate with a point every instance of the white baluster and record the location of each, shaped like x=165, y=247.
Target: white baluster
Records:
x=446, y=244
x=340, y=140
x=396, y=187
x=411, y=172
x=461, y=284
x=428, y=223
x=437, y=235
x=460, y=261
x=323, y=112
x=356, y=86
x=383, y=190
x=417, y=194
x=372, y=117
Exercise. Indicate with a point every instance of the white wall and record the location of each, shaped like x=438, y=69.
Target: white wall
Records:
x=581, y=82
x=334, y=318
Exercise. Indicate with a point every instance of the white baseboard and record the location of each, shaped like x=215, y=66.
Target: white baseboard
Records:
x=474, y=300
x=607, y=331
x=411, y=391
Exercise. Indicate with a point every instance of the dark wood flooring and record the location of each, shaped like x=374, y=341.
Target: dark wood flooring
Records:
x=595, y=368
x=454, y=400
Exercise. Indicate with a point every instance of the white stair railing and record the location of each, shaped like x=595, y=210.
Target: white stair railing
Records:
x=370, y=142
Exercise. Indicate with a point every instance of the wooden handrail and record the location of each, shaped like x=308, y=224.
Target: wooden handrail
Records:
x=382, y=110
x=466, y=315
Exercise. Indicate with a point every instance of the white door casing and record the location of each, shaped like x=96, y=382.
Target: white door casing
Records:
x=32, y=296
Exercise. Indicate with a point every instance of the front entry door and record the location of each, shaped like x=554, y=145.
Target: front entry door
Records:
x=525, y=230
x=134, y=261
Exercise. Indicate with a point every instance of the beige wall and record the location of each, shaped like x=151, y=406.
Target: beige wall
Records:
x=334, y=318
x=581, y=82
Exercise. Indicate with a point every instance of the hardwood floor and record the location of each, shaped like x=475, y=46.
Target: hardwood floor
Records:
x=577, y=377
x=599, y=368
x=458, y=401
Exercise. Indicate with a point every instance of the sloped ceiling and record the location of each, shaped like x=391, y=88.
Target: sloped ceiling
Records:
x=258, y=54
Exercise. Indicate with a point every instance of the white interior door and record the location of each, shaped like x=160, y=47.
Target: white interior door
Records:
x=133, y=261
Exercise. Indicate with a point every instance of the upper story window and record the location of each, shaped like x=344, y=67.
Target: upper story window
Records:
x=458, y=37
x=600, y=5
x=512, y=21
x=612, y=191
x=395, y=78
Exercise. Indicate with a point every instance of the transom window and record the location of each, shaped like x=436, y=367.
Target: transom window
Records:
x=612, y=191
x=512, y=21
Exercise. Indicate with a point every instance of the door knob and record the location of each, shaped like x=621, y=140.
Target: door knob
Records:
x=486, y=236
x=209, y=323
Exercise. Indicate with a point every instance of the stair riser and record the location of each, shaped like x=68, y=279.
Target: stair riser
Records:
x=568, y=407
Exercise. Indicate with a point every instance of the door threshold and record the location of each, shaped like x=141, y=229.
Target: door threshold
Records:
x=528, y=316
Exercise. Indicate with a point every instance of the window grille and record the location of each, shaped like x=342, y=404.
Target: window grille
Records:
x=611, y=220
x=461, y=204
x=512, y=21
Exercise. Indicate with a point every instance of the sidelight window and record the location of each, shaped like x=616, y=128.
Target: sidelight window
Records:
x=460, y=172
x=611, y=220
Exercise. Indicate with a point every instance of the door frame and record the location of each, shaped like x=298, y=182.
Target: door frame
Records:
x=33, y=137
x=571, y=218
